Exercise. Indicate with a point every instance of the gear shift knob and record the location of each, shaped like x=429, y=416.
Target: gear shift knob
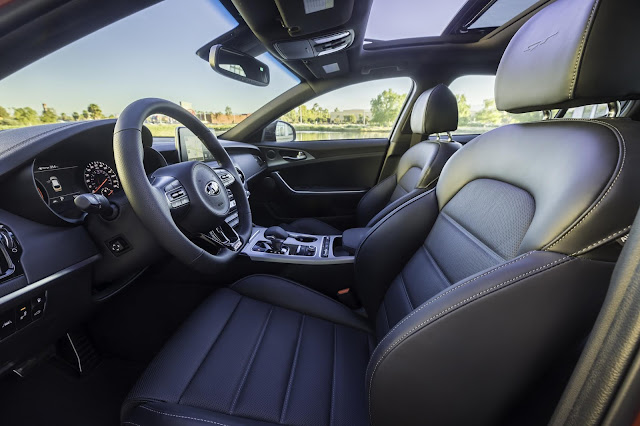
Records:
x=276, y=235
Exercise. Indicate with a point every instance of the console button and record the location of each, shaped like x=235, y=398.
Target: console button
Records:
x=23, y=315
x=37, y=307
x=7, y=324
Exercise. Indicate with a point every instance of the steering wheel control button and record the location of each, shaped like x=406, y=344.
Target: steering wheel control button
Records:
x=176, y=195
x=7, y=324
x=23, y=315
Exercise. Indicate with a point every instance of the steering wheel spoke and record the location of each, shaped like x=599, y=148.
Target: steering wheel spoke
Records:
x=223, y=236
x=180, y=203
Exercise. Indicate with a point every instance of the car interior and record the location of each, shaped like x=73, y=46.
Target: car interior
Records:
x=264, y=274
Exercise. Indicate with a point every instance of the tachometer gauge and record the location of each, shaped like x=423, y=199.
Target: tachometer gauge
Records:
x=100, y=178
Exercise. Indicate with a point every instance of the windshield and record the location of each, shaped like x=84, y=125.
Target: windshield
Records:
x=148, y=54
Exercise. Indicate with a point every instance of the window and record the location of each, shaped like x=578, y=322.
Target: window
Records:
x=86, y=79
x=361, y=111
x=389, y=20
x=501, y=12
x=588, y=111
x=477, y=106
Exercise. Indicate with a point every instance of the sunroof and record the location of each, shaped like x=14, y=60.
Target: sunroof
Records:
x=398, y=19
x=401, y=19
x=500, y=12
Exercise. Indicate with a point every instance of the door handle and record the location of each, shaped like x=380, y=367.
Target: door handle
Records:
x=301, y=156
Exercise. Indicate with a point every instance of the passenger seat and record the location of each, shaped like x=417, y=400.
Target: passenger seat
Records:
x=435, y=111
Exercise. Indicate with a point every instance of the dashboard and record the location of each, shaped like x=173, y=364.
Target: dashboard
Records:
x=57, y=262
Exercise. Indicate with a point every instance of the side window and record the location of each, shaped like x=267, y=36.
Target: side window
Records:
x=478, y=113
x=361, y=111
x=588, y=111
x=477, y=106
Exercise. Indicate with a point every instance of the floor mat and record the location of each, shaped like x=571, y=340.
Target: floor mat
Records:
x=49, y=395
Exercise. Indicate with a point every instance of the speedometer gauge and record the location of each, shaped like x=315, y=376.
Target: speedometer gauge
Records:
x=100, y=178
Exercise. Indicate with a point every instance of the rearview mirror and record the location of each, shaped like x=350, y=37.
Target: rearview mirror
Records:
x=238, y=66
x=279, y=131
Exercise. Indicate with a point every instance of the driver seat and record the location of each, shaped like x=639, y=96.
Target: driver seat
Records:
x=473, y=291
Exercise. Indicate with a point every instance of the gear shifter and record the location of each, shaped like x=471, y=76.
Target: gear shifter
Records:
x=276, y=236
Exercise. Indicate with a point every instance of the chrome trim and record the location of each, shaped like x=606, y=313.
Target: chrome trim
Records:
x=44, y=281
x=295, y=191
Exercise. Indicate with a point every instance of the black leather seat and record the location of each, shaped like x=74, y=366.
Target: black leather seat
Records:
x=473, y=291
x=435, y=111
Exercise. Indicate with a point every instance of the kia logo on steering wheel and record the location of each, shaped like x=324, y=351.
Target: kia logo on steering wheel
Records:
x=212, y=188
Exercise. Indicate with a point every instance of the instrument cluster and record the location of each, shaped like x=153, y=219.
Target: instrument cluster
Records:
x=59, y=183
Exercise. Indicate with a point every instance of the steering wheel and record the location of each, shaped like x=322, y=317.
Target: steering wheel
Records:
x=183, y=203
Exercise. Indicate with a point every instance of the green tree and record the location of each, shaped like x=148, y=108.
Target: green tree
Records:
x=49, y=116
x=94, y=111
x=85, y=114
x=386, y=106
x=291, y=116
x=228, y=112
x=489, y=115
x=75, y=116
x=4, y=114
x=464, y=109
x=64, y=117
x=25, y=115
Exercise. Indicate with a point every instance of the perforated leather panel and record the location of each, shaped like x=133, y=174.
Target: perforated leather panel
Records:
x=482, y=226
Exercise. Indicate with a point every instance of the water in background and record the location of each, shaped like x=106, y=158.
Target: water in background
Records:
x=309, y=135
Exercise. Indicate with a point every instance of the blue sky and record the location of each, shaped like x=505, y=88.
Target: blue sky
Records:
x=152, y=54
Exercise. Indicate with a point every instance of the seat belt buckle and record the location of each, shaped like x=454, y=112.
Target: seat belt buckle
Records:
x=348, y=298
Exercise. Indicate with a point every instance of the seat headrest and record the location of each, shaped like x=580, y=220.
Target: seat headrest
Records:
x=571, y=53
x=435, y=111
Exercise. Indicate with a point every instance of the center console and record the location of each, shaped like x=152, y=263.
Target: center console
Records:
x=276, y=245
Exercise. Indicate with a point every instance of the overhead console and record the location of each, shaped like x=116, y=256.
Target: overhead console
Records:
x=318, y=46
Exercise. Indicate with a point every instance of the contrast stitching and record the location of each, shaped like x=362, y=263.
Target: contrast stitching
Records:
x=597, y=243
x=130, y=423
x=183, y=417
x=608, y=190
x=572, y=87
x=449, y=309
x=292, y=374
x=449, y=291
x=251, y=359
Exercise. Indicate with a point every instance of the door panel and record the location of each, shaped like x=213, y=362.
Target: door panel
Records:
x=321, y=179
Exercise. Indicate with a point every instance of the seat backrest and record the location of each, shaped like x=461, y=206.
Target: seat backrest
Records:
x=480, y=286
x=435, y=111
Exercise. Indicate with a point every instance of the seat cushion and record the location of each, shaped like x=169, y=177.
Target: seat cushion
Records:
x=264, y=351
x=310, y=226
